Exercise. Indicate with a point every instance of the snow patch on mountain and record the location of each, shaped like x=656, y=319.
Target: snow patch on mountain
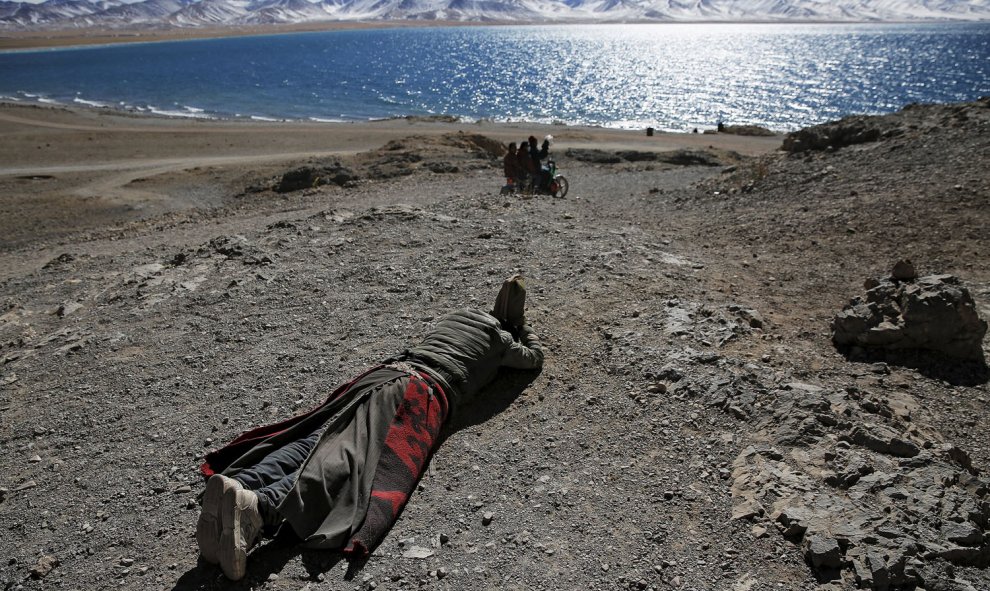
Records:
x=67, y=14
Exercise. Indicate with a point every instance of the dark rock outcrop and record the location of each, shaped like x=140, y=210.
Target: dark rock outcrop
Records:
x=931, y=313
x=836, y=134
x=308, y=177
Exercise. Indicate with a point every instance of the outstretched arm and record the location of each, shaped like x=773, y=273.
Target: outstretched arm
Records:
x=526, y=353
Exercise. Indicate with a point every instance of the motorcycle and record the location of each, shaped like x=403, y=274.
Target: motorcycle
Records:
x=550, y=182
x=556, y=185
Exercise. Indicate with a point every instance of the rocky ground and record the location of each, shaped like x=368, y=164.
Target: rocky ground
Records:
x=693, y=428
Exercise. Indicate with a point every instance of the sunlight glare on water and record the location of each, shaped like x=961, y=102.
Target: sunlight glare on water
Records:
x=670, y=76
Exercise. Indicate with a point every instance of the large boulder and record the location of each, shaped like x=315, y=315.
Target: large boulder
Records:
x=903, y=312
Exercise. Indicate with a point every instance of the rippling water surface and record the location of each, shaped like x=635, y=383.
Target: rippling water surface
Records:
x=670, y=76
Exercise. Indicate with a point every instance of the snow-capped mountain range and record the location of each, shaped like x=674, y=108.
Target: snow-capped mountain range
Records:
x=62, y=14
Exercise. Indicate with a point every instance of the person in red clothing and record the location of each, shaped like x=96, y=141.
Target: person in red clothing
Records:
x=340, y=474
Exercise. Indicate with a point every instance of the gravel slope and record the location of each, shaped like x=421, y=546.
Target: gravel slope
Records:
x=149, y=343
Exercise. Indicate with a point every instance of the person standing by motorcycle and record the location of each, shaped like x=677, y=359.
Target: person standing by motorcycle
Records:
x=536, y=155
x=510, y=167
x=526, y=167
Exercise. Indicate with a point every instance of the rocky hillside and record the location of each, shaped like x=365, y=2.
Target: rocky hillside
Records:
x=695, y=427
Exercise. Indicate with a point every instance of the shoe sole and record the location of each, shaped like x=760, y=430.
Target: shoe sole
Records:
x=241, y=525
x=210, y=524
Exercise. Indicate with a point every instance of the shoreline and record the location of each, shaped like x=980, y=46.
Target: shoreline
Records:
x=70, y=38
x=69, y=120
x=196, y=115
x=25, y=40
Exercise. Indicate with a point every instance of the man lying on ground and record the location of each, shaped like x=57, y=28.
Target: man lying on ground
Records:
x=340, y=474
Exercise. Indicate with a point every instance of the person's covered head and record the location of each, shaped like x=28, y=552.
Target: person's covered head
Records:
x=522, y=148
x=510, y=304
x=512, y=147
x=532, y=140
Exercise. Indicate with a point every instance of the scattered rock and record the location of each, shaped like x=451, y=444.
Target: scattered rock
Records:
x=60, y=260
x=748, y=130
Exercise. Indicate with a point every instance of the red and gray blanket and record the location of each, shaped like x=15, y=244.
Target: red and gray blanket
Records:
x=379, y=431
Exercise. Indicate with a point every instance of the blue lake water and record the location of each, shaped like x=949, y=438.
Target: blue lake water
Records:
x=669, y=76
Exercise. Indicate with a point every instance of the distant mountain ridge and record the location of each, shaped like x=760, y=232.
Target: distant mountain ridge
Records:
x=69, y=14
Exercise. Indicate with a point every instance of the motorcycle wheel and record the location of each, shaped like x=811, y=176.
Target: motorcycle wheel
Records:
x=562, y=186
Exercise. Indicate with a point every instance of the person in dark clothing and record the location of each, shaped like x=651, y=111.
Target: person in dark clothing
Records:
x=527, y=169
x=510, y=167
x=340, y=474
x=537, y=155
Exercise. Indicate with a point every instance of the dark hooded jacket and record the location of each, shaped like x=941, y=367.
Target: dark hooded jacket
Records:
x=467, y=347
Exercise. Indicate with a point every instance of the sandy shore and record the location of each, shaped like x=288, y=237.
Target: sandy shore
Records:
x=38, y=39
x=74, y=37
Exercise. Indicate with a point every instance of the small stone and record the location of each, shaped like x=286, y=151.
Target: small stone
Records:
x=417, y=552
x=45, y=565
x=34, y=459
x=752, y=317
x=67, y=308
x=26, y=485
x=273, y=577
x=903, y=271
x=486, y=518
x=126, y=561
x=759, y=531
x=444, y=539
x=441, y=572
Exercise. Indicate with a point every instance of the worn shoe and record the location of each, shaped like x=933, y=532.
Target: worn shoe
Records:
x=241, y=523
x=209, y=526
